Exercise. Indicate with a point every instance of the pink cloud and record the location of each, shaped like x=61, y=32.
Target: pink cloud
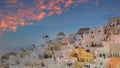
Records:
x=68, y=3
x=96, y=2
x=11, y=1
x=13, y=19
x=40, y=16
x=50, y=13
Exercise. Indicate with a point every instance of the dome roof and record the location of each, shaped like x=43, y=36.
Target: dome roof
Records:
x=60, y=34
x=46, y=36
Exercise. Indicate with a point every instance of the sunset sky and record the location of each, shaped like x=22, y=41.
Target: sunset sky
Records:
x=23, y=22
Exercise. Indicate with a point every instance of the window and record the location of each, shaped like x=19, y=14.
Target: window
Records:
x=87, y=66
x=100, y=63
x=91, y=32
x=95, y=66
x=118, y=22
x=113, y=25
x=100, y=55
x=118, y=31
x=68, y=47
x=99, y=31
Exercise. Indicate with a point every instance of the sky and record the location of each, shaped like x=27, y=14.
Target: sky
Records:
x=23, y=22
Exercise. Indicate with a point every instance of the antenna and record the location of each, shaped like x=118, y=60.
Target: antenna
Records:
x=43, y=38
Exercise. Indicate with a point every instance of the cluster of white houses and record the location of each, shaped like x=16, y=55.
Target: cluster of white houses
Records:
x=97, y=47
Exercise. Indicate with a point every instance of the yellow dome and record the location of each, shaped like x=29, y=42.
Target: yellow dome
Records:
x=81, y=54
